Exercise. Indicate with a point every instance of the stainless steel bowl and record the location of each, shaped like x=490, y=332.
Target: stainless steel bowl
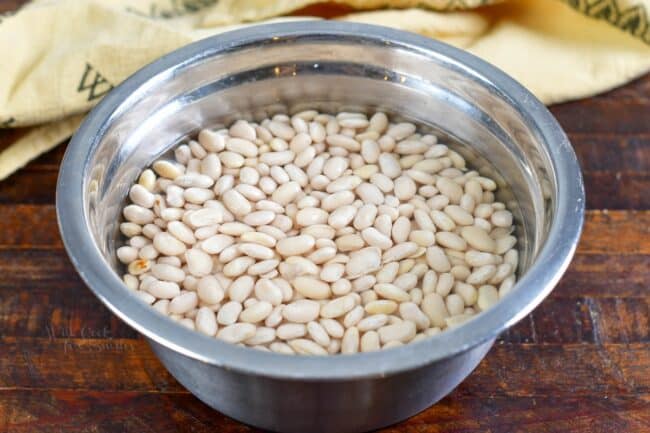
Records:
x=262, y=70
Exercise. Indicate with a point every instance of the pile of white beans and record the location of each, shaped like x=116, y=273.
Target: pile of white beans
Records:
x=317, y=234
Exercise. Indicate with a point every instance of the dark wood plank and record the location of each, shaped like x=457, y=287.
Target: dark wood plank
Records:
x=603, y=275
x=8, y=136
x=509, y=369
x=46, y=298
x=82, y=363
x=29, y=185
x=11, y=5
x=58, y=313
x=603, y=116
x=29, y=226
x=557, y=414
x=622, y=190
x=567, y=369
x=620, y=232
x=59, y=411
x=574, y=320
x=138, y=412
x=615, y=153
x=324, y=10
x=125, y=412
x=30, y=268
x=530, y=415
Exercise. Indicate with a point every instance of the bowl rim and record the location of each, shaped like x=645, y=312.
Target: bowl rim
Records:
x=551, y=262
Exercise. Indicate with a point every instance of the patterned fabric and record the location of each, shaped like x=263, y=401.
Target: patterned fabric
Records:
x=632, y=17
x=629, y=17
x=63, y=56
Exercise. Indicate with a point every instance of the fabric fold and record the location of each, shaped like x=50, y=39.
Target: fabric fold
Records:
x=65, y=55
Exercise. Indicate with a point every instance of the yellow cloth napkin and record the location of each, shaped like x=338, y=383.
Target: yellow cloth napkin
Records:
x=61, y=56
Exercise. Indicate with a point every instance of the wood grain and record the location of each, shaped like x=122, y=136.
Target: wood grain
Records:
x=612, y=153
x=575, y=320
x=616, y=232
x=604, y=116
x=138, y=412
x=604, y=275
x=580, y=363
x=10, y=5
x=117, y=364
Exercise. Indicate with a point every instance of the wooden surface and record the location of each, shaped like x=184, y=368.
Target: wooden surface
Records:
x=579, y=363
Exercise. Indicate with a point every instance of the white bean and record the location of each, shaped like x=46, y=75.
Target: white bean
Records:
x=336, y=200
x=199, y=263
x=350, y=341
x=363, y=261
x=342, y=216
x=164, y=289
x=295, y=245
x=311, y=287
x=301, y=311
x=256, y=312
x=389, y=165
x=402, y=332
x=344, y=183
x=138, y=214
x=320, y=234
x=289, y=331
x=306, y=347
x=237, y=332
x=286, y=193
x=205, y=321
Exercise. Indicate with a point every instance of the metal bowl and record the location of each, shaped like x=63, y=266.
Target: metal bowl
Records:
x=251, y=73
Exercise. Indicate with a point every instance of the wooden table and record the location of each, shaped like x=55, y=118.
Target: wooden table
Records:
x=579, y=363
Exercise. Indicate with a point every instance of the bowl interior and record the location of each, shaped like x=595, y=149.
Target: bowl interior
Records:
x=500, y=128
x=258, y=81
